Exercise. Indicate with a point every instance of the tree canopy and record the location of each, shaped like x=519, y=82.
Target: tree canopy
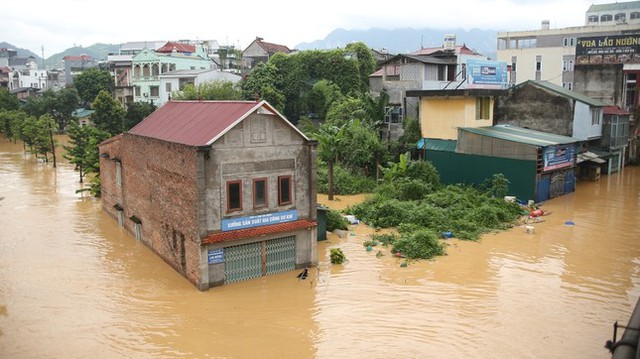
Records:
x=215, y=90
x=8, y=101
x=292, y=79
x=59, y=104
x=109, y=116
x=91, y=82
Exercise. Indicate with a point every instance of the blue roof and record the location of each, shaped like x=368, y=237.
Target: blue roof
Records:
x=436, y=144
x=82, y=112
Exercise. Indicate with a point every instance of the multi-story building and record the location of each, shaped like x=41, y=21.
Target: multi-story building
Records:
x=550, y=54
x=148, y=65
x=75, y=65
x=175, y=81
x=260, y=51
x=227, y=194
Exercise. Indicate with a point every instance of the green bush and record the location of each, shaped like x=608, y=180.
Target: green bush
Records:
x=344, y=181
x=336, y=256
x=421, y=244
x=335, y=220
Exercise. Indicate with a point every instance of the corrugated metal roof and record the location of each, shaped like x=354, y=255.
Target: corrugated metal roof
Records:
x=615, y=6
x=564, y=92
x=198, y=123
x=521, y=135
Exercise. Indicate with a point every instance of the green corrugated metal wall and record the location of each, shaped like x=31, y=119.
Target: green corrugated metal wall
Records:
x=472, y=169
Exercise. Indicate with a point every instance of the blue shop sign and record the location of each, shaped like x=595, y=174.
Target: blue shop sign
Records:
x=216, y=256
x=259, y=220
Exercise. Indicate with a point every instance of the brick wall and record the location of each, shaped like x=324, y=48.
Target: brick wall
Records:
x=158, y=187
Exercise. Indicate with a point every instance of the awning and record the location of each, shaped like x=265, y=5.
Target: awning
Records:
x=589, y=156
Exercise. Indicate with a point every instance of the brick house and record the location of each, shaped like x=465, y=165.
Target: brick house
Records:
x=222, y=191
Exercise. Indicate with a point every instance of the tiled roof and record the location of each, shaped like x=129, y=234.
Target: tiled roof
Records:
x=615, y=110
x=180, y=47
x=273, y=48
x=199, y=123
x=259, y=231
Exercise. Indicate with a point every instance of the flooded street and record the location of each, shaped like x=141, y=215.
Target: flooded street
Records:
x=73, y=284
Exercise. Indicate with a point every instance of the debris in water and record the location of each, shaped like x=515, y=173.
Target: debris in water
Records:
x=569, y=223
x=303, y=274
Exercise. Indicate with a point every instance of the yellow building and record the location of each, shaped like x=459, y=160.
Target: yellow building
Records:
x=442, y=112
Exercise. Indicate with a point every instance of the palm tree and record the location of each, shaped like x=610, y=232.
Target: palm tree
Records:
x=329, y=140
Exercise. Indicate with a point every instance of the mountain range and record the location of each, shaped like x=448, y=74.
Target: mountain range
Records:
x=395, y=41
x=406, y=40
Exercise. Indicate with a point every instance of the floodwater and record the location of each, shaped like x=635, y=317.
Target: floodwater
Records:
x=74, y=285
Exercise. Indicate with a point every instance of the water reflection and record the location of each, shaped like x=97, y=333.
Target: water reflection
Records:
x=74, y=284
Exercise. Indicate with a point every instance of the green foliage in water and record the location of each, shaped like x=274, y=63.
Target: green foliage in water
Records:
x=336, y=221
x=421, y=244
x=337, y=256
x=412, y=200
x=345, y=181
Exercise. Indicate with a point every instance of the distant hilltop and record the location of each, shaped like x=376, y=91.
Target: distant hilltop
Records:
x=406, y=40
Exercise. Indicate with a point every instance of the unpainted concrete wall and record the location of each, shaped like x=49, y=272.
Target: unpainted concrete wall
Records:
x=535, y=108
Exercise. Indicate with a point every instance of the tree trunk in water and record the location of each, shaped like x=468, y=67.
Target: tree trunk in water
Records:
x=53, y=147
x=377, y=167
x=330, y=170
x=81, y=174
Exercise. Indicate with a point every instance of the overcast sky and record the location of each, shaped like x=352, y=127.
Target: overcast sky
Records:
x=60, y=24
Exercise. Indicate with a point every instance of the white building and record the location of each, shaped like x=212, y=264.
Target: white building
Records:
x=549, y=54
x=174, y=81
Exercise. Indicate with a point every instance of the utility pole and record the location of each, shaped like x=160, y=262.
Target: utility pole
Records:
x=42, y=48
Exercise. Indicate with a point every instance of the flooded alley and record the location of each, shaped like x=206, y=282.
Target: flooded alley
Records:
x=73, y=284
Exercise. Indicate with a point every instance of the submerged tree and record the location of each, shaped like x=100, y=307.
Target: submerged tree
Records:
x=109, y=116
x=329, y=141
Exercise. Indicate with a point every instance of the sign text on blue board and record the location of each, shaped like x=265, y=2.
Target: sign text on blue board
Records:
x=259, y=220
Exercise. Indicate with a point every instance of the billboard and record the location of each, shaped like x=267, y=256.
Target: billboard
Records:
x=559, y=156
x=486, y=74
x=615, y=49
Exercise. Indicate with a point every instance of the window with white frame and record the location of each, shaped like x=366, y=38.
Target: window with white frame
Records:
x=118, y=173
x=595, y=116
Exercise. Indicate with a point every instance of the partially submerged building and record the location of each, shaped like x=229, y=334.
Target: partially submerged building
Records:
x=538, y=165
x=222, y=191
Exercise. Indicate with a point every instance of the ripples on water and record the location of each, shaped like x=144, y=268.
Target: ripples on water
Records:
x=73, y=284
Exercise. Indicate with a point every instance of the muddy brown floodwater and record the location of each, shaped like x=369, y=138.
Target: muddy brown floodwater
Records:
x=74, y=285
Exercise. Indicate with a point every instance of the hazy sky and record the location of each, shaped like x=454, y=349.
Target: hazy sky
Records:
x=60, y=24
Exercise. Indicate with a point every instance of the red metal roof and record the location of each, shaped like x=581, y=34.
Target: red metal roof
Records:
x=194, y=123
x=78, y=58
x=259, y=231
x=615, y=110
x=180, y=47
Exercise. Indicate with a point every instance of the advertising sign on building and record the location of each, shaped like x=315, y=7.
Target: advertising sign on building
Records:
x=616, y=49
x=556, y=157
x=259, y=220
x=486, y=74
